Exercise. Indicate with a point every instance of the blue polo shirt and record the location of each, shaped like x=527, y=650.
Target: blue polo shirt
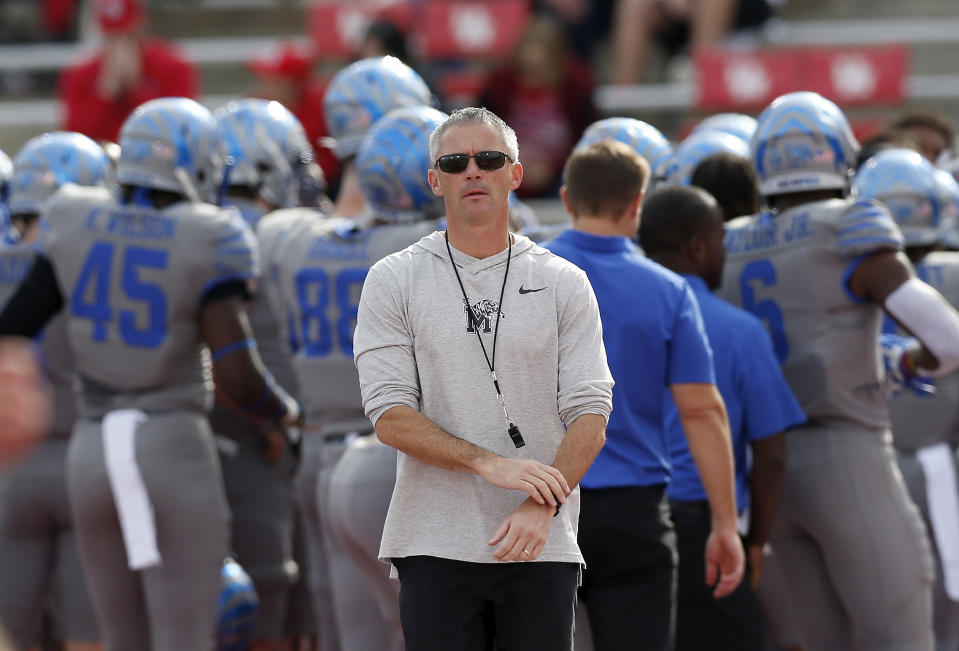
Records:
x=654, y=337
x=758, y=400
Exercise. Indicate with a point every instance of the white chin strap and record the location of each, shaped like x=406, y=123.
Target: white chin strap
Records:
x=925, y=313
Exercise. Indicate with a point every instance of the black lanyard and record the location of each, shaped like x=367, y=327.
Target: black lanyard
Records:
x=513, y=430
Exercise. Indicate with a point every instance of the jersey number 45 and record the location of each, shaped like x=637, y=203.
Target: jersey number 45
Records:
x=91, y=295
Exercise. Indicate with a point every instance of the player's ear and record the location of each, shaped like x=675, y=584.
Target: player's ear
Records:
x=516, y=174
x=434, y=179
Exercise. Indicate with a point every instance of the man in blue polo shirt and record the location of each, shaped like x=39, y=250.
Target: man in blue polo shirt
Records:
x=655, y=341
x=683, y=230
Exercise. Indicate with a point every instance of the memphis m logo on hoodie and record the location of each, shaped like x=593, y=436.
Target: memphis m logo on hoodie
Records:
x=481, y=315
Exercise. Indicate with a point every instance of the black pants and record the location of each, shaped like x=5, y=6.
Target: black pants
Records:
x=733, y=623
x=448, y=605
x=629, y=586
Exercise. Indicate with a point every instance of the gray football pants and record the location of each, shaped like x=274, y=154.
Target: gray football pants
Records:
x=360, y=491
x=945, y=610
x=358, y=621
x=852, y=545
x=38, y=552
x=170, y=607
x=263, y=515
x=305, y=483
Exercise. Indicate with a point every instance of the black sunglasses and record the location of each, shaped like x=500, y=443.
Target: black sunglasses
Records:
x=485, y=160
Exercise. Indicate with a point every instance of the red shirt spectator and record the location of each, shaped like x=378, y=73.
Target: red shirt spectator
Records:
x=545, y=94
x=285, y=75
x=99, y=93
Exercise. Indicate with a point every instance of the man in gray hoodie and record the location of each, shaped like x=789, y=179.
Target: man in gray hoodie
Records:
x=490, y=446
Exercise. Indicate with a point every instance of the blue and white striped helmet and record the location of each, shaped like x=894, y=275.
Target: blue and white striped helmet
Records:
x=735, y=124
x=171, y=144
x=906, y=184
x=237, y=608
x=363, y=92
x=698, y=147
x=645, y=139
x=264, y=147
x=803, y=142
x=392, y=165
x=947, y=189
x=50, y=161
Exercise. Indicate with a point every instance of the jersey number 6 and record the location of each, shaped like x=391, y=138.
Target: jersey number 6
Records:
x=767, y=310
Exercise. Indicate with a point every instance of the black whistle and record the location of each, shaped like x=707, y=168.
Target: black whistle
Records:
x=517, y=437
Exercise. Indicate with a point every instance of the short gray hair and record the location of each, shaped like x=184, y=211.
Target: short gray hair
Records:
x=473, y=115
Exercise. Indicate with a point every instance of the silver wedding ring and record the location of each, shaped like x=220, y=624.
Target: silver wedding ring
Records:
x=526, y=551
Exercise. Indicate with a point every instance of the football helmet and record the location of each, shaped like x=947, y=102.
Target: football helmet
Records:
x=696, y=148
x=363, y=92
x=50, y=161
x=645, y=139
x=947, y=189
x=735, y=124
x=171, y=144
x=264, y=148
x=803, y=142
x=392, y=164
x=906, y=184
x=236, y=608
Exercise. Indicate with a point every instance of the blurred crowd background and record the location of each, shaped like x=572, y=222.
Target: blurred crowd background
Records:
x=549, y=67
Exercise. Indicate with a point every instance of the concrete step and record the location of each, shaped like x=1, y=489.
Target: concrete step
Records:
x=857, y=9
x=190, y=19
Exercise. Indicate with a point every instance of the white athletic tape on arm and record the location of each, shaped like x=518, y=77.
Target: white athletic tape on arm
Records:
x=927, y=315
x=134, y=509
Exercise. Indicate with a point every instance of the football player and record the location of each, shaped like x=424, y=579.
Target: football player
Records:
x=319, y=271
x=819, y=269
x=39, y=562
x=922, y=200
x=153, y=284
x=355, y=99
x=391, y=166
x=268, y=156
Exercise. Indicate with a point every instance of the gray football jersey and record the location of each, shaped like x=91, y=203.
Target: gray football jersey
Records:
x=317, y=266
x=791, y=271
x=921, y=421
x=15, y=263
x=132, y=280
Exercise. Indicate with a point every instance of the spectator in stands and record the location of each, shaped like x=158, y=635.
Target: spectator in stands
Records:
x=384, y=38
x=130, y=68
x=933, y=131
x=284, y=74
x=586, y=21
x=545, y=93
x=676, y=24
x=59, y=18
x=731, y=180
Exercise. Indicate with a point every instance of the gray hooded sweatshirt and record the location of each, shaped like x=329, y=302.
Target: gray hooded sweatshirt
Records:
x=415, y=345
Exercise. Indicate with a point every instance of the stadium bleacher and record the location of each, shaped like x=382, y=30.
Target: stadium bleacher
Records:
x=221, y=34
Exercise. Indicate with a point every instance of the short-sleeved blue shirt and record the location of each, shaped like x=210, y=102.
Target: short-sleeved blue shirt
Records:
x=654, y=337
x=758, y=400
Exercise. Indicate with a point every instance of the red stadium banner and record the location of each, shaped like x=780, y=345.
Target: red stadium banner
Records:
x=743, y=80
x=849, y=76
x=336, y=29
x=463, y=29
x=853, y=76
